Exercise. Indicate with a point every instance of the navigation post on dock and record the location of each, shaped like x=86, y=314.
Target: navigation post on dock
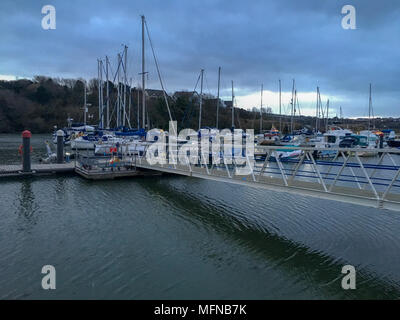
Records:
x=26, y=151
x=60, y=146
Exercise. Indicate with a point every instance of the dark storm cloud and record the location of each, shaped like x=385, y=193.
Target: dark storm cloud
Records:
x=253, y=41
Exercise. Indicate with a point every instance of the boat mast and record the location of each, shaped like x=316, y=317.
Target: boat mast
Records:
x=138, y=108
x=130, y=103
x=233, y=112
x=317, y=112
x=280, y=107
x=84, y=103
x=292, y=109
x=370, y=108
x=108, y=96
x=219, y=80
x=143, y=78
x=99, y=84
x=125, y=81
x=101, y=94
x=119, y=92
x=201, y=96
x=261, y=107
x=327, y=116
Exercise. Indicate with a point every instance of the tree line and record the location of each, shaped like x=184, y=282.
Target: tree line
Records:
x=43, y=102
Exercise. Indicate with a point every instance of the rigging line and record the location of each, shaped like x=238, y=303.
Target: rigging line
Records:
x=158, y=70
x=205, y=79
x=112, y=112
x=116, y=72
x=195, y=87
x=298, y=105
x=111, y=70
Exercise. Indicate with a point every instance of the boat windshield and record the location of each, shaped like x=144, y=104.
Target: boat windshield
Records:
x=331, y=139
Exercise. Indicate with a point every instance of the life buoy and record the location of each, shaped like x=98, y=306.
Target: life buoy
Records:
x=21, y=149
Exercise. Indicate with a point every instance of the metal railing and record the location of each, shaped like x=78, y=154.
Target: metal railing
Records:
x=356, y=175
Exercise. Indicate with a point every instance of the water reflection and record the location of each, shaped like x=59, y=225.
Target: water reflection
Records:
x=26, y=198
x=309, y=265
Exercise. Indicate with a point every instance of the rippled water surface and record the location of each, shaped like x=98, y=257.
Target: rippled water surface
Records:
x=184, y=238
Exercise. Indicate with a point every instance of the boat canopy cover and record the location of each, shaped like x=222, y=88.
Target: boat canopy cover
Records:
x=131, y=132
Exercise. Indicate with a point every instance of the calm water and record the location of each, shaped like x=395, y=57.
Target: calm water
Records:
x=184, y=238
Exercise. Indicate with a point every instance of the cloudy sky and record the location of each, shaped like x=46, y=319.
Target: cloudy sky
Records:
x=254, y=42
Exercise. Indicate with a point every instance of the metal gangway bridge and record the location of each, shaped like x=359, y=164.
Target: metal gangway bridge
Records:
x=360, y=176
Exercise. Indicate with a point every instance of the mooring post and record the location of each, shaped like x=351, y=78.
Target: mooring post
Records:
x=60, y=146
x=26, y=151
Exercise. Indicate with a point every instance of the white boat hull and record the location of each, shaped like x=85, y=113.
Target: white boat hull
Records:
x=82, y=144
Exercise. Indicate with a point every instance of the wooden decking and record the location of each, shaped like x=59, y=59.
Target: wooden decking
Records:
x=52, y=168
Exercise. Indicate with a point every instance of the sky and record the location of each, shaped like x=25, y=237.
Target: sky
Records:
x=254, y=42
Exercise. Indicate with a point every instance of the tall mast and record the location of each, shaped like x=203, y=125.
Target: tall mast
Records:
x=99, y=89
x=130, y=103
x=119, y=93
x=101, y=94
x=143, y=79
x=108, y=96
x=201, y=96
x=317, y=112
x=327, y=116
x=292, y=109
x=370, y=107
x=138, y=108
x=84, y=103
x=125, y=80
x=280, y=107
x=219, y=80
x=261, y=105
x=233, y=108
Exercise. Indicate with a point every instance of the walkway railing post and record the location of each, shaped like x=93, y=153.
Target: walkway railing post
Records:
x=60, y=146
x=26, y=151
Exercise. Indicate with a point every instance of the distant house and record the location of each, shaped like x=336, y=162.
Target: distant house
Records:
x=213, y=101
x=183, y=94
x=155, y=94
x=228, y=103
x=189, y=95
x=150, y=93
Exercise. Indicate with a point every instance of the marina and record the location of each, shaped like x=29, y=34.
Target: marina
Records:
x=168, y=227
x=164, y=151
x=347, y=176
